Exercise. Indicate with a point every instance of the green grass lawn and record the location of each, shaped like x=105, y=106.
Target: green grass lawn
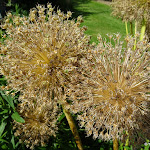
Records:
x=97, y=17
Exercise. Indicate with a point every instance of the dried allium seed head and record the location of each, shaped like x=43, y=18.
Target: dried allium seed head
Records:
x=40, y=122
x=130, y=10
x=111, y=91
x=40, y=50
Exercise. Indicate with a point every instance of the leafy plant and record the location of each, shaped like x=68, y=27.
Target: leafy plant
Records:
x=7, y=115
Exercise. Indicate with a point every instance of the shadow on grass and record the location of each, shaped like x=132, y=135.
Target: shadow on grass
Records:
x=87, y=10
x=76, y=12
x=23, y=7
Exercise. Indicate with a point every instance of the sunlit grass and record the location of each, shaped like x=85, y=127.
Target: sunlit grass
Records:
x=97, y=17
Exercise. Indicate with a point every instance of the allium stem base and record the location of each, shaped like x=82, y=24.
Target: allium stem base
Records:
x=143, y=29
x=73, y=128
x=115, y=144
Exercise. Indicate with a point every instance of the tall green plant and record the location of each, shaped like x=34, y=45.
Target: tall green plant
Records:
x=8, y=115
x=136, y=12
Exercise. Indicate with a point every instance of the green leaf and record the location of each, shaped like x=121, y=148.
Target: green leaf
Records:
x=4, y=134
x=2, y=140
x=5, y=117
x=2, y=127
x=0, y=98
x=4, y=111
x=1, y=79
x=13, y=142
x=126, y=147
x=4, y=146
x=17, y=144
x=61, y=117
x=9, y=99
x=15, y=116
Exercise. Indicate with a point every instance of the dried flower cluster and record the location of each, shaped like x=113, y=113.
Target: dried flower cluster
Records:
x=46, y=55
x=36, y=58
x=110, y=93
x=41, y=50
x=130, y=10
x=40, y=122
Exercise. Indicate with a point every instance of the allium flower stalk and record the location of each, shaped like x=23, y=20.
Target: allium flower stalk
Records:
x=111, y=91
x=131, y=10
x=137, y=11
x=40, y=122
x=39, y=53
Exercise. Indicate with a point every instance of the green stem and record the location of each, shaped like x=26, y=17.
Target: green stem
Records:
x=135, y=35
x=115, y=144
x=143, y=29
x=73, y=128
x=126, y=25
x=127, y=141
x=131, y=28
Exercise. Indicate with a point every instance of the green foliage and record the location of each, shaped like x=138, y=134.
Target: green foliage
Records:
x=1, y=40
x=64, y=139
x=2, y=80
x=122, y=147
x=7, y=114
x=15, y=116
x=146, y=145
